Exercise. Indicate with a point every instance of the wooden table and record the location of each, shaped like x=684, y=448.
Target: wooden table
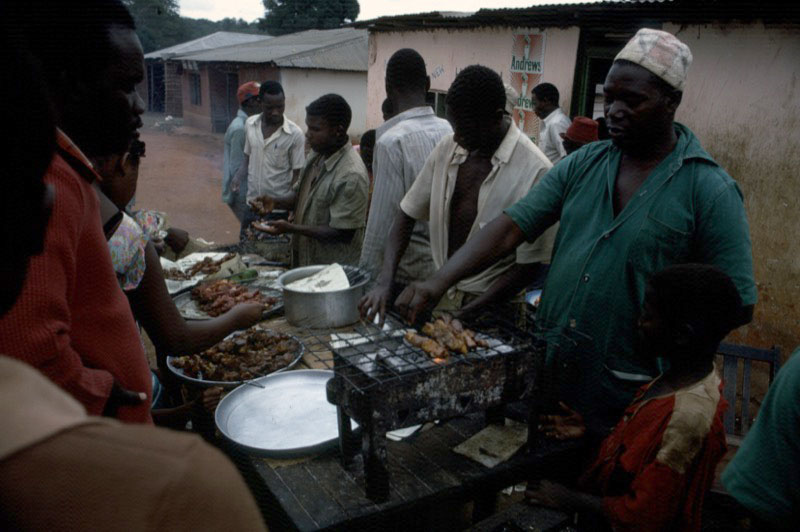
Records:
x=429, y=483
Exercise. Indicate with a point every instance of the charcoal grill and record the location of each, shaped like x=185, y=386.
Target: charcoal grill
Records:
x=383, y=383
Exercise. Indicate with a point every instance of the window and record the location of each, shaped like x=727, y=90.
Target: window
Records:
x=436, y=100
x=194, y=87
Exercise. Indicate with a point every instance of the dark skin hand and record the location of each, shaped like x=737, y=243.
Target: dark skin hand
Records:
x=319, y=232
x=176, y=239
x=500, y=237
x=375, y=302
x=569, y=426
x=504, y=288
x=119, y=396
x=170, y=332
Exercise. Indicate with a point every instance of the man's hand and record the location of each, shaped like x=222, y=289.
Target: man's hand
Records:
x=245, y=315
x=375, y=303
x=262, y=205
x=274, y=227
x=120, y=396
x=210, y=398
x=176, y=239
x=552, y=495
x=417, y=298
x=235, y=183
x=569, y=426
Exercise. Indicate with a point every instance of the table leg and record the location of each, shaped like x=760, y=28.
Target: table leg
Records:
x=348, y=445
x=376, y=474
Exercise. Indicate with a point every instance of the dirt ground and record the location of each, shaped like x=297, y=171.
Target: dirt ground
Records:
x=181, y=175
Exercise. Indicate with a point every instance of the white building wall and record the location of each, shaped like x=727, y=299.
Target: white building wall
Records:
x=302, y=86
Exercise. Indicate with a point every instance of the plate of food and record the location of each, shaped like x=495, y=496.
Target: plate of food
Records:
x=211, y=299
x=240, y=357
x=188, y=271
x=447, y=337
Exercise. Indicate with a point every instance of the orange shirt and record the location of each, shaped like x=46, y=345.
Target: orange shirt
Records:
x=72, y=322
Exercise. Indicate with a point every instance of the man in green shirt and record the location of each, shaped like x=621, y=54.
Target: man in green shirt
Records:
x=629, y=207
x=763, y=476
x=330, y=198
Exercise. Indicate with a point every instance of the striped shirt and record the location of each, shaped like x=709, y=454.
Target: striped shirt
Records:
x=402, y=146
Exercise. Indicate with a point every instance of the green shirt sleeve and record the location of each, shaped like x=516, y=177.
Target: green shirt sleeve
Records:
x=541, y=206
x=348, y=206
x=723, y=230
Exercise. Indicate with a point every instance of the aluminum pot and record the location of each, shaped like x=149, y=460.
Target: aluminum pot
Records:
x=319, y=310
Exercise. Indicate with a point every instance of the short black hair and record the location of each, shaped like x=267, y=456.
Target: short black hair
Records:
x=546, y=92
x=387, y=109
x=368, y=138
x=270, y=87
x=701, y=295
x=477, y=90
x=70, y=36
x=333, y=108
x=406, y=71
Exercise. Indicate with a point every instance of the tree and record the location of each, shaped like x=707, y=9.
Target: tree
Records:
x=289, y=16
x=158, y=23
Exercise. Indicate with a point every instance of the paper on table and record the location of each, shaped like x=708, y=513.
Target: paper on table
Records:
x=329, y=279
x=495, y=444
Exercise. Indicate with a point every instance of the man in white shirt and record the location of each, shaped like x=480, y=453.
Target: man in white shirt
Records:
x=554, y=122
x=274, y=152
x=479, y=170
x=403, y=143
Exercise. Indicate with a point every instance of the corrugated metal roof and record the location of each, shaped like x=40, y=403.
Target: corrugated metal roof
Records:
x=209, y=42
x=604, y=14
x=339, y=49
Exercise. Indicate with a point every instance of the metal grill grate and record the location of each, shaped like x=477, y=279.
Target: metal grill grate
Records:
x=366, y=355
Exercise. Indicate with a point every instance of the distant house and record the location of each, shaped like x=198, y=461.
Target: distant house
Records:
x=308, y=64
x=162, y=89
x=742, y=98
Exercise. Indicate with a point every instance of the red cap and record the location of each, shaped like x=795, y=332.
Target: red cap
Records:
x=582, y=130
x=247, y=90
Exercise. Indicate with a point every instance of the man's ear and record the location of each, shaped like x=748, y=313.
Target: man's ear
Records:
x=674, y=100
x=427, y=84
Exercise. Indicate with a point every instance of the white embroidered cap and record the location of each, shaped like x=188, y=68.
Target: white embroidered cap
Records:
x=661, y=53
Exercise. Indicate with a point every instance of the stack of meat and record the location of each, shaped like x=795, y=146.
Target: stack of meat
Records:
x=443, y=337
x=251, y=354
x=220, y=296
x=207, y=266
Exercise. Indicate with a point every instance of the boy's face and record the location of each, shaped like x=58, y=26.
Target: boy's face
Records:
x=655, y=335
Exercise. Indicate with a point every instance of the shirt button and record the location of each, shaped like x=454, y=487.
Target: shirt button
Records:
x=607, y=236
x=573, y=323
x=586, y=278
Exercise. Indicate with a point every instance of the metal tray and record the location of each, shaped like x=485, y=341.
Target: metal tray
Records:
x=284, y=415
x=178, y=372
x=189, y=310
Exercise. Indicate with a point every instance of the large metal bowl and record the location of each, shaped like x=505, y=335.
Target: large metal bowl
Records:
x=319, y=310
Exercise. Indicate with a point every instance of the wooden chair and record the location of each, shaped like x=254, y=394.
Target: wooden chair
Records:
x=731, y=354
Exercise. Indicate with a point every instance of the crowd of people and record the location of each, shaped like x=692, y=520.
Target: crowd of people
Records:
x=640, y=239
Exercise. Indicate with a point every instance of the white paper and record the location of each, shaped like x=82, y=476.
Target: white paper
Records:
x=329, y=279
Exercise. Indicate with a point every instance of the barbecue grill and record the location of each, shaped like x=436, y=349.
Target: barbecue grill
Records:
x=384, y=383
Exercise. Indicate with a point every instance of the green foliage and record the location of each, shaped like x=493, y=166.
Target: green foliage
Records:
x=289, y=16
x=159, y=25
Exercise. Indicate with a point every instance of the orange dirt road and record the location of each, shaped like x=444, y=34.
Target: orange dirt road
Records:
x=181, y=175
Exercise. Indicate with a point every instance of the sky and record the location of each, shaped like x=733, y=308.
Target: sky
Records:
x=252, y=9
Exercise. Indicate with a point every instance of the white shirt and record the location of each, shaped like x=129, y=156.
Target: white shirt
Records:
x=272, y=160
x=517, y=165
x=549, y=135
x=402, y=146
